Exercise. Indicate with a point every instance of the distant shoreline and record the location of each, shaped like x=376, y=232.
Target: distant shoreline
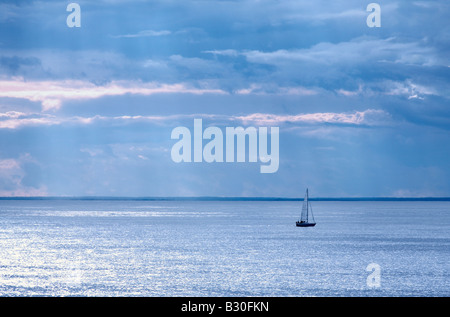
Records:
x=207, y=198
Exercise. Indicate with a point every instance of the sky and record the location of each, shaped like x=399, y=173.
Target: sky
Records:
x=88, y=111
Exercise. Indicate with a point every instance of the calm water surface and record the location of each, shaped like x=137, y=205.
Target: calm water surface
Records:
x=216, y=248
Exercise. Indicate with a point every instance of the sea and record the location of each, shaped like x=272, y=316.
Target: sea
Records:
x=223, y=248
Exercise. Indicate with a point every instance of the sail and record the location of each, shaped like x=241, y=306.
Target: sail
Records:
x=304, y=215
x=310, y=214
x=306, y=218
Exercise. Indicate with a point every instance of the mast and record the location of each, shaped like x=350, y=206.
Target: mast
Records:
x=307, y=205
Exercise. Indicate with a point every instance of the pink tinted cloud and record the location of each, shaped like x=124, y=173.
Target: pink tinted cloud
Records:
x=52, y=93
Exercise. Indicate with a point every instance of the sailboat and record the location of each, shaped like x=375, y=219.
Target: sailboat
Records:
x=306, y=218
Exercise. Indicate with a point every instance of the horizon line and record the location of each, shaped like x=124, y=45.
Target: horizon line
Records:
x=222, y=198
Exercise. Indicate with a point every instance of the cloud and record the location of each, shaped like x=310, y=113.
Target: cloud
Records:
x=358, y=50
x=335, y=66
x=12, y=175
x=370, y=117
x=14, y=121
x=13, y=63
x=406, y=88
x=343, y=67
x=92, y=151
x=145, y=33
x=11, y=115
x=227, y=52
x=264, y=89
x=322, y=11
x=8, y=12
x=52, y=93
x=409, y=89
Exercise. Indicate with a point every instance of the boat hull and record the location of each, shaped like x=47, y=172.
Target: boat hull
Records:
x=304, y=224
